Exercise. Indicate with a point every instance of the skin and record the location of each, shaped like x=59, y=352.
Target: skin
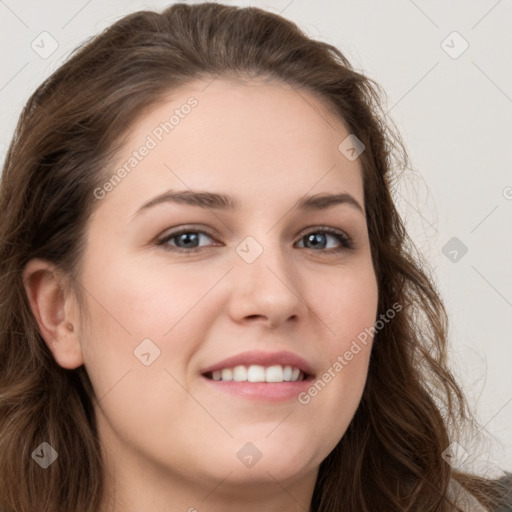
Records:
x=170, y=440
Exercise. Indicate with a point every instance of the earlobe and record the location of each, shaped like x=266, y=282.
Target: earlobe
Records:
x=54, y=312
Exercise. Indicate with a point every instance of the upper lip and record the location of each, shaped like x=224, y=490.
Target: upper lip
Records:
x=258, y=357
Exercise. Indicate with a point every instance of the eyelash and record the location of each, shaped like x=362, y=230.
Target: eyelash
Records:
x=345, y=241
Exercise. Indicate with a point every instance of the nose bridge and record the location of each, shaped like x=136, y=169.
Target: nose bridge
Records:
x=264, y=280
x=262, y=251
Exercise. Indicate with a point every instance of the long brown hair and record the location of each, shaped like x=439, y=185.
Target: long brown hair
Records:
x=390, y=457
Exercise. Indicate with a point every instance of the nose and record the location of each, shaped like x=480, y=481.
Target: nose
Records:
x=265, y=285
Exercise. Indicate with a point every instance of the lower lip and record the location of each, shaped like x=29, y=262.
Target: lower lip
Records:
x=268, y=391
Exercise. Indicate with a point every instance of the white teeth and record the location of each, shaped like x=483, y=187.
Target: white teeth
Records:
x=258, y=373
x=274, y=373
x=239, y=373
x=227, y=374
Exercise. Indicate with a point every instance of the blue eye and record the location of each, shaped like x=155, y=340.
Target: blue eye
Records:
x=187, y=240
x=319, y=239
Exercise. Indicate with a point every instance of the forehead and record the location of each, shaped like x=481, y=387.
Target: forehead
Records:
x=253, y=138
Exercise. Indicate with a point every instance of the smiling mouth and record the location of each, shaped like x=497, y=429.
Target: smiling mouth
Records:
x=258, y=373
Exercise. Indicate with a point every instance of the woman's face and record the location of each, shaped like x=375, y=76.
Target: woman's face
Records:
x=258, y=285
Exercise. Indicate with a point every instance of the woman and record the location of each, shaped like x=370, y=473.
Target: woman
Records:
x=294, y=360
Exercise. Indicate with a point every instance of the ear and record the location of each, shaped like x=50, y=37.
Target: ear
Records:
x=56, y=314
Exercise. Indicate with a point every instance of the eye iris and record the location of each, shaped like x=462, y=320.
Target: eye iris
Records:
x=314, y=239
x=190, y=239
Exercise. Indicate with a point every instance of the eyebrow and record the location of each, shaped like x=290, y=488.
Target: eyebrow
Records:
x=224, y=202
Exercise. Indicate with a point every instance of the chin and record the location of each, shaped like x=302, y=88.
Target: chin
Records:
x=257, y=458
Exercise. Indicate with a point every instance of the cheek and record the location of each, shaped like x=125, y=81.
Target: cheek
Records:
x=347, y=304
x=129, y=302
x=348, y=307
x=137, y=345
x=138, y=309
x=334, y=394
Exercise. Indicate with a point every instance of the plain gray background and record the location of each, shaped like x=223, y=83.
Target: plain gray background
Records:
x=451, y=97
